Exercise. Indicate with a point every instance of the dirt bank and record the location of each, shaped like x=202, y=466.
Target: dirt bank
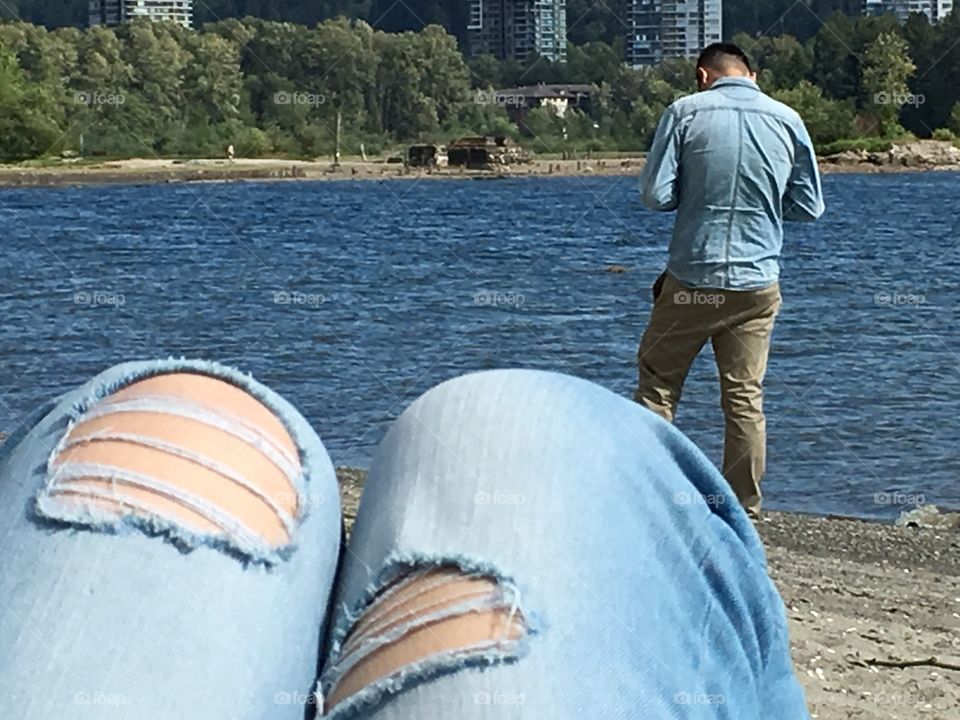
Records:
x=916, y=156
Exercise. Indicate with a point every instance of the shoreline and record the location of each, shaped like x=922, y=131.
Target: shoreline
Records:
x=139, y=172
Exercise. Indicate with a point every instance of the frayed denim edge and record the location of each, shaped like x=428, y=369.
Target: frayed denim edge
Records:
x=379, y=692
x=398, y=565
x=55, y=517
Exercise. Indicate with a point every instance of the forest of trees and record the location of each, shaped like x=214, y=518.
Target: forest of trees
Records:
x=275, y=88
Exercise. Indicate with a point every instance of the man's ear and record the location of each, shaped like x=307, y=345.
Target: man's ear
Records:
x=703, y=78
x=753, y=76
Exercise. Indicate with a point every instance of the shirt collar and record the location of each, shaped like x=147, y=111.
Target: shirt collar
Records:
x=735, y=81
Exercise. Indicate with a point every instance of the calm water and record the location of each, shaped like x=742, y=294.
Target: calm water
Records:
x=353, y=298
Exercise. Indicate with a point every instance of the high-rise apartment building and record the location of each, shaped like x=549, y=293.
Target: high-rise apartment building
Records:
x=516, y=29
x=661, y=29
x=114, y=12
x=935, y=10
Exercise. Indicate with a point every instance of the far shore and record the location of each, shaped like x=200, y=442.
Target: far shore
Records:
x=145, y=171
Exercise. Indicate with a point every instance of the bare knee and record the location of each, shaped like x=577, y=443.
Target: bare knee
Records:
x=186, y=449
x=426, y=614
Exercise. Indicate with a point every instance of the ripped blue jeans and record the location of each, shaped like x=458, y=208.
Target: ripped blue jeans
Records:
x=635, y=582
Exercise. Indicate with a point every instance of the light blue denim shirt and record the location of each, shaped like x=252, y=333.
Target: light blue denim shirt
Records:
x=734, y=164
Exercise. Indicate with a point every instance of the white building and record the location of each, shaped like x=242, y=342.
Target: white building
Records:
x=660, y=29
x=935, y=10
x=114, y=12
x=517, y=29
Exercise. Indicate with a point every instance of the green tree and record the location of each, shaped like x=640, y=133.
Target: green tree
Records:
x=158, y=57
x=28, y=114
x=593, y=62
x=954, y=122
x=887, y=67
x=421, y=79
x=838, y=49
x=937, y=55
x=781, y=60
x=826, y=120
x=341, y=65
x=212, y=81
x=485, y=71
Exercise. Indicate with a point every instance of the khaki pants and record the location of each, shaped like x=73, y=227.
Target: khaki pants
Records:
x=739, y=325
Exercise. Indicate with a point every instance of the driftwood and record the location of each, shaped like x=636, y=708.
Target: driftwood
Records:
x=898, y=663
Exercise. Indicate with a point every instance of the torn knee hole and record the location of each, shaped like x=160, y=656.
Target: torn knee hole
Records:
x=426, y=614
x=185, y=449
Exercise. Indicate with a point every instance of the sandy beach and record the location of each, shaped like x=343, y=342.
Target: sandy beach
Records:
x=874, y=611
x=143, y=170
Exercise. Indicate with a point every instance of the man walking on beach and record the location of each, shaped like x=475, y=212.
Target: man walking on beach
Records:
x=734, y=164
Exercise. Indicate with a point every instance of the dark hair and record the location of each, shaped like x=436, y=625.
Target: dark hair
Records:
x=724, y=56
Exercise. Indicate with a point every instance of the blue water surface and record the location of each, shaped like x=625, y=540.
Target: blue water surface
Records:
x=352, y=298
